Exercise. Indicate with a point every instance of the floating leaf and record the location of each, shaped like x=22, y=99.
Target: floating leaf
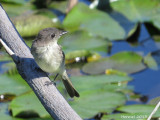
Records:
x=153, y=60
x=94, y=103
x=128, y=62
x=138, y=10
x=27, y=105
x=144, y=109
x=16, y=9
x=30, y=25
x=14, y=1
x=77, y=53
x=61, y=6
x=98, y=94
x=154, y=101
x=85, y=83
x=81, y=40
x=97, y=23
x=13, y=85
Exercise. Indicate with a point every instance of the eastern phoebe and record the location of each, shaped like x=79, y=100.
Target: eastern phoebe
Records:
x=50, y=57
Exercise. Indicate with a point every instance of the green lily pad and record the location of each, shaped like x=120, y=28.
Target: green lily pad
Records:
x=85, y=83
x=144, y=109
x=59, y=5
x=98, y=94
x=154, y=101
x=97, y=23
x=77, y=53
x=27, y=105
x=153, y=60
x=96, y=102
x=16, y=9
x=30, y=25
x=81, y=40
x=13, y=85
x=14, y=1
x=128, y=62
x=138, y=10
x=5, y=115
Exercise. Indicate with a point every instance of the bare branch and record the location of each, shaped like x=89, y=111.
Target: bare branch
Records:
x=49, y=96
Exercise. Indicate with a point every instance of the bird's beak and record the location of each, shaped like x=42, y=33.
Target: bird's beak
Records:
x=63, y=32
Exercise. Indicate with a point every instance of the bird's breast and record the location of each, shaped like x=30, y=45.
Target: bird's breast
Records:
x=50, y=58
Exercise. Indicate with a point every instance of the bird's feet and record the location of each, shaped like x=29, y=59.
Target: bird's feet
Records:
x=50, y=83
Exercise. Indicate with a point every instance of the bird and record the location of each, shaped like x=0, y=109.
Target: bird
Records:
x=50, y=58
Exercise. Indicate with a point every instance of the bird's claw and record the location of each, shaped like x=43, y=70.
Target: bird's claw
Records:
x=50, y=83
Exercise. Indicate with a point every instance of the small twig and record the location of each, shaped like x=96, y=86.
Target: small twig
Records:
x=154, y=111
x=9, y=51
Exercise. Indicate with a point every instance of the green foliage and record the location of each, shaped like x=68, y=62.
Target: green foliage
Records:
x=30, y=25
x=27, y=105
x=13, y=84
x=97, y=94
x=144, y=109
x=90, y=32
x=81, y=40
x=153, y=60
x=128, y=62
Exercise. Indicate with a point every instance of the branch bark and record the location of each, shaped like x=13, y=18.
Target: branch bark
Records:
x=49, y=96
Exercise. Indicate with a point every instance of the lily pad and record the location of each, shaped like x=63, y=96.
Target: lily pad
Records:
x=128, y=62
x=154, y=101
x=97, y=23
x=81, y=40
x=98, y=94
x=16, y=9
x=30, y=25
x=84, y=83
x=153, y=60
x=59, y=5
x=96, y=102
x=27, y=105
x=138, y=10
x=5, y=115
x=77, y=53
x=14, y=1
x=13, y=85
x=144, y=109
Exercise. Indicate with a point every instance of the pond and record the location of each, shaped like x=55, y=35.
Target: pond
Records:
x=112, y=58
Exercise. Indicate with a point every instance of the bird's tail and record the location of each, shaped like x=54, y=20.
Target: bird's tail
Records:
x=68, y=85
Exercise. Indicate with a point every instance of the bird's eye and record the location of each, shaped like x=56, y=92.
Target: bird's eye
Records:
x=52, y=35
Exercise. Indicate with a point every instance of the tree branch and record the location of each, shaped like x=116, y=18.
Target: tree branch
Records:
x=49, y=96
